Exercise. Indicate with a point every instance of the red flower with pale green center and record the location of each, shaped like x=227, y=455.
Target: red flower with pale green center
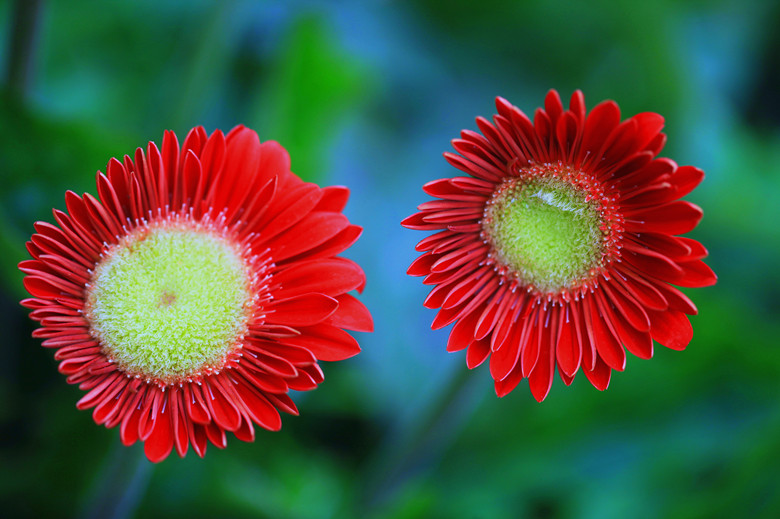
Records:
x=562, y=246
x=201, y=287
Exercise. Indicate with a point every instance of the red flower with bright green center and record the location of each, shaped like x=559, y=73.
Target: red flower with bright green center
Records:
x=200, y=288
x=562, y=246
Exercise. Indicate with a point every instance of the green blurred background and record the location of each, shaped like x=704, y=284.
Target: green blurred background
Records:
x=368, y=94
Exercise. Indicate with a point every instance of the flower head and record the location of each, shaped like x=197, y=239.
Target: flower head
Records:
x=201, y=287
x=560, y=248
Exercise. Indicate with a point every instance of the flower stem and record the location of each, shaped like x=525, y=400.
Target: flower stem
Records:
x=25, y=23
x=121, y=485
x=418, y=443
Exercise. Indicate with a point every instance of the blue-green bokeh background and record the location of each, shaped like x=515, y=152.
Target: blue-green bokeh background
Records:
x=368, y=94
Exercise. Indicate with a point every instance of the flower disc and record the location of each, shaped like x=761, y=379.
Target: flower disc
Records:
x=170, y=302
x=545, y=231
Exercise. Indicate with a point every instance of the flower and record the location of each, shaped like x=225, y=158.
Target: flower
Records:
x=197, y=291
x=561, y=247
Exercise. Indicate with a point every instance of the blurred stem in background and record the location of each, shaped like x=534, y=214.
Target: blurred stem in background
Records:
x=120, y=485
x=26, y=21
x=206, y=62
x=19, y=77
x=417, y=443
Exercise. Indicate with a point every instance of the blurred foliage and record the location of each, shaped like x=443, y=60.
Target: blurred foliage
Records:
x=368, y=94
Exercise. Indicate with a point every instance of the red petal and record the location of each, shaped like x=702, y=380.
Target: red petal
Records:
x=507, y=384
x=479, y=169
x=566, y=135
x=670, y=246
x=492, y=313
x=274, y=159
x=216, y=435
x=449, y=315
x=600, y=375
x=266, y=362
x=302, y=202
x=416, y=222
x=477, y=352
x=181, y=425
x=649, y=126
x=152, y=404
x=696, y=274
x=677, y=300
x=685, y=179
x=128, y=431
x=245, y=431
x=108, y=409
x=653, y=264
x=198, y=439
x=606, y=341
x=334, y=198
x=351, y=315
x=303, y=310
x=223, y=411
x=599, y=124
x=696, y=249
x=553, y=106
x=461, y=256
x=256, y=206
x=566, y=378
x=338, y=243
x=315, y=229
x=194, y=405
x=473, y=184
x=435, y=240
x=507, y=321
x=643, y=172
x=50, y=287
x=105, y=390
x=541, y=377
x=212, y=160
x=577, y=105
x=242, y=160
x=196, y=140
x=530, y=342
x=422, y=265
x=266, y=381
x=259, y=408
x=170, y=156
x=643, y=292
x=627, y=306
x=462, y=334
x=674, y=218
x=331, y=277
x=671, y=329
x=159, y=444
x=464, y=290
x=504, y=361
x=637, y=342
x=444, y=188
x=621, y=143
x=568, y=351
x=303, y=382
x=110, y=199
x=326, y=342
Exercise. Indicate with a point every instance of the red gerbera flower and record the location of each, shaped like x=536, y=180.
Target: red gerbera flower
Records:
x=562, y=245
x=200, y=288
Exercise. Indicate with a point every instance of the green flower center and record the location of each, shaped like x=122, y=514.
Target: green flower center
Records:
x=170, y=302
x=546, y=231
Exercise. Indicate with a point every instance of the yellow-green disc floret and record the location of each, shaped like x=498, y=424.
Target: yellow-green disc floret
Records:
x=545, y=231
x=169, y=302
